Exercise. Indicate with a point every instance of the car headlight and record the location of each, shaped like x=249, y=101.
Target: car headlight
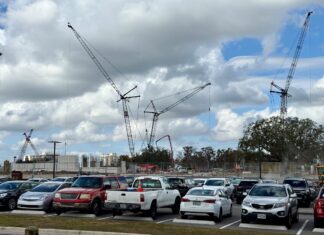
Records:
x=85, y=196
x=280, y=204
x=247, y=203
x=57, y=195
x=3, y=195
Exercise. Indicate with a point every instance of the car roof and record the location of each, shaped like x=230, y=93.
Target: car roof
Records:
x=216, y=178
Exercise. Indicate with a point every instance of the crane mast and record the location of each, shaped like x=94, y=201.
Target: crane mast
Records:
x=283, y=92
x=156, y=113
x=123, y=97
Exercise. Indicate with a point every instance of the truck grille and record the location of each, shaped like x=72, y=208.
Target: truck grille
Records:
x=263, y=207
x=69, y=196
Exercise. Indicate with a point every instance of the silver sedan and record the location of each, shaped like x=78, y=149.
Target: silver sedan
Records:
x=41, y=197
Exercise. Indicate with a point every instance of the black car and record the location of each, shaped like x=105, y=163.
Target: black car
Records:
x=181, y=183
x=243, y=187
x=301, y=188
x=10, y=191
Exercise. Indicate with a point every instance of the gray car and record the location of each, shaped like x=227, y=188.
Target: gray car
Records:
x=270, y=202
x=41, y=197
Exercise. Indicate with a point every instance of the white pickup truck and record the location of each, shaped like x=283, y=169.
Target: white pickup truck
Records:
x=146, y=195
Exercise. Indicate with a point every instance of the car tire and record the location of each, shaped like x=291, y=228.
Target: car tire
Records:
x=289, y=220
x=183, y=215
x=317, y=223
x=244, y=220
x=153, y=210
x=12, y=204
x=58, y=211
x=96, y=207
x=231, y=212
x=176, y=206
x=296, y=217
x=49, y=209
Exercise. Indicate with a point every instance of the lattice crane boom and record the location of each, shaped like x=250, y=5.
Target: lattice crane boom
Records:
x=283, y=92
x=123, y=97
x=156, y=113
x=25, y=145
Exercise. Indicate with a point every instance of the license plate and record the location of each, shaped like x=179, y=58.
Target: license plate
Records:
x=196, y=203
x=261, y=216
x=122, y=206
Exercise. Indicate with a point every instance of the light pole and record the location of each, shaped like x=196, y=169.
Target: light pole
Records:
x=54, y=142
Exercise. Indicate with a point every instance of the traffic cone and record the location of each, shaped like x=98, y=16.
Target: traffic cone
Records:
x=139, y=188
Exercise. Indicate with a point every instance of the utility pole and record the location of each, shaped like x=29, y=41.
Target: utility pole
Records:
x=54, y=160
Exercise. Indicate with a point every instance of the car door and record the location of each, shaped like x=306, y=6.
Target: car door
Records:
x=225, y=201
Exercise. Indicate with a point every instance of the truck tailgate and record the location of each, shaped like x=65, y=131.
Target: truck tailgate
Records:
x=123, y=197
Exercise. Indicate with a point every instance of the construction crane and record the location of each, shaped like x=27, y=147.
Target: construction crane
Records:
x=123, y=97
x=171, y=148
x=156, y=113
x=283, y=92
x=25, y=145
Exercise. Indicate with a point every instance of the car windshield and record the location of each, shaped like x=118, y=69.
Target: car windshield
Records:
x=268, y=191
x=296, y=183
x=10, y=185
x=46, y=188
x=201, y=192
x=214, y=183
x=88, y=182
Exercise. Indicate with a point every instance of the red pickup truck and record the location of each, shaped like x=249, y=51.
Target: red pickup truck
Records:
x=87, y=193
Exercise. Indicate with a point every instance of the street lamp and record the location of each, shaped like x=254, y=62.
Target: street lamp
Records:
x=54, y=142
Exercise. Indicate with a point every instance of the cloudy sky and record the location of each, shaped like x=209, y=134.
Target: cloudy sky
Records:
x=164, y=47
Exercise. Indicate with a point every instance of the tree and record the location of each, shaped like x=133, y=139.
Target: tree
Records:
x=290, y=139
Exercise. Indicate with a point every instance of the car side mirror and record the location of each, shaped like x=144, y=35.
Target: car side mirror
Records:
x=107, y=186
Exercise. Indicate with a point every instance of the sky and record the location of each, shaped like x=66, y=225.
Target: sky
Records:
x=164, y=47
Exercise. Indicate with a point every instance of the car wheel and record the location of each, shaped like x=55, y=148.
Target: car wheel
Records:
x=317, y=223
x=183, y=216
x=176, y=206
x=296, y=217
x=96, y=207
x=117, y=212
x=288, y=220
x=244, y=220
x=12, y=204
x=49, y=208
x=58, y=211
x=153, y=210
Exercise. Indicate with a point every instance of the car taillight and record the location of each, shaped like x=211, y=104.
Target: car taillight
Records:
x=210, y=201
x=185, y=199
x=319, y=205
x=142, y=199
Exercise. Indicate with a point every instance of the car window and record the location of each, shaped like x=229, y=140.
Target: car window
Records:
x=26, y=186
x=51, y=187
x=322, y=194
x=122, y=179
x=88, y=182
x=113, y=183
x=9, y=185
x=221, y=193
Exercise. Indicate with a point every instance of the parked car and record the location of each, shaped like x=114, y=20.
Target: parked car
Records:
x=41, y=196
x=4, y=179
x=243, y=188
x=301, y=188
x=270, y=202
x=181, y=184
x=10, y=191
x=213, y=202
x=40, y=180
x=198, y=182
x=62, y=179
x=148, y=193
x=221, y=183
x=319, y=209
x=86, y=193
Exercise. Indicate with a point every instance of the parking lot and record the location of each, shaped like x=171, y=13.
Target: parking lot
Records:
x=304, y=226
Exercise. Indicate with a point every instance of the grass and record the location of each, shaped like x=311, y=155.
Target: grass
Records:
x=92, y=224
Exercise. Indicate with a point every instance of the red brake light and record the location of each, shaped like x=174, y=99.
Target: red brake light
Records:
x=185, y=199
x=210, y=201
x=142, y=199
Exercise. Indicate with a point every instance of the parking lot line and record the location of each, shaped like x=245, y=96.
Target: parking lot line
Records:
x=263, y=226
x=318, y=230
x=191, y=221
x=30, y=212
x=302, y=227
x=225, y=226
x=160, y=222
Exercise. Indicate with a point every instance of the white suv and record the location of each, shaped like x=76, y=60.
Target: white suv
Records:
x=270, y=202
